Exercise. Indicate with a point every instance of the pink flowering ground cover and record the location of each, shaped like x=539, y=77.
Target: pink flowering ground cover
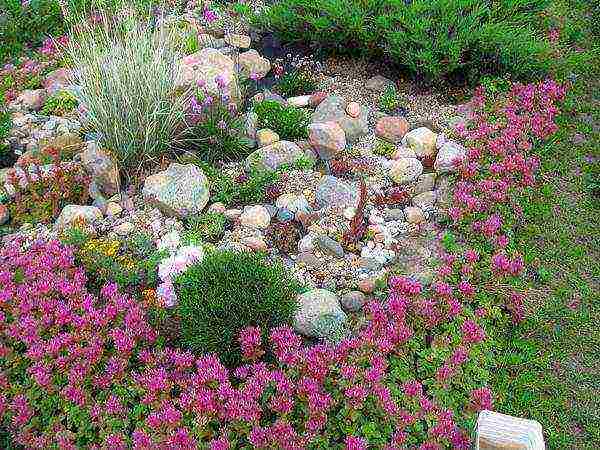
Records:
x=83, y=369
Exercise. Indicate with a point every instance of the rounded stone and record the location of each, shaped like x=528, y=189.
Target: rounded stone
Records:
x=403, y=152
x=257, y=244
x=312, y=307
x=394, y=214
x=232, y=214
x=450, y=153
x=379, y=83
x=306, y=245
x=328, y=246
x=353, y=301
x=405, y=170
x=333, y=192
x=238, y=40
x=367, y=286
x=57, y=80
x=266, y=137
x=422, y=141
x=273, y=156
x=72, y=215
x=181, y=190
x=286, y=201
x=333, y=109
x=255, y=217
x=32, y=99
x=353, y=109
x=327, y=138
x=414, y=214
x=206, y=66
x=299, y=101
x=424, y=200
x=424, y=183
x=309, y=260
x=252, y=64
x=391, y=129
x=349, y=212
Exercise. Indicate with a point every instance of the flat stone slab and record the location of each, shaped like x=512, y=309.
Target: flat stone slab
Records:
x=497, y=431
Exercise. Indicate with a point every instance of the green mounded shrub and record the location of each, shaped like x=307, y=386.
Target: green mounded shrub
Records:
x=435, y=39
x=226, y=292
x=289, y=122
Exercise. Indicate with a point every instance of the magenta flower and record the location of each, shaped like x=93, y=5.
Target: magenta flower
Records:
x=208, y=15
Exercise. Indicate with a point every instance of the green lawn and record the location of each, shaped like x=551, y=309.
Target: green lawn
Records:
x=548, y=369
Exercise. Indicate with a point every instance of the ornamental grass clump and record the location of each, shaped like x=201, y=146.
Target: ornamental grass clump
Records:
x=226, y=292
x=127, y=68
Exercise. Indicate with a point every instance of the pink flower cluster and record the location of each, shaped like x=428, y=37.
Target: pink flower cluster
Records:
x=52, y=47
x=95, y=361
x=500, y=136
x=98, y=354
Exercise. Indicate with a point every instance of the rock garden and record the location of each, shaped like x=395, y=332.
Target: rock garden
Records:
x=243, y=225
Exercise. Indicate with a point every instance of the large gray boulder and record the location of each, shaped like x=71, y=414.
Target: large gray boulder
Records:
x=181, y=190
x=316, y=307
x=333, y=109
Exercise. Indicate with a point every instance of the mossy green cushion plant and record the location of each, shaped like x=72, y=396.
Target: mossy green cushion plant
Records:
x=226, y=292
x=296, y=82
x=60, y=104
x=289, y=122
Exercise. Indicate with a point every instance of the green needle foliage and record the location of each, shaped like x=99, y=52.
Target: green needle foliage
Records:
x=434, y=39
x=226, y=292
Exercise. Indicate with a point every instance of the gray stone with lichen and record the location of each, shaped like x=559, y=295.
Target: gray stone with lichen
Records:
x=272, y=157
x=181, y=190
x=314, y=307
x=333, y=109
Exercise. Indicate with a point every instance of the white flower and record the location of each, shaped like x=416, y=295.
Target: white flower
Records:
x=169, y=241
x=170, y=267
x=190, y=254
x=166, y=292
